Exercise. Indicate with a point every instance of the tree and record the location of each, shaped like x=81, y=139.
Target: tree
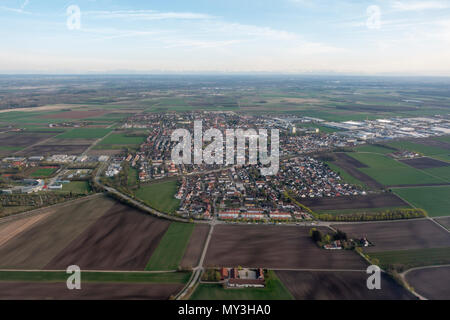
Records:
x=316, y=235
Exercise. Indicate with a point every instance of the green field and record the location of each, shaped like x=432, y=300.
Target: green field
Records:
x=346, y=177
x=77, y=187
x=435, y=200
x=427, y=150
x=60, y=276
x=43, y=172
x=413, y=258
x=160, y=196
x=133, y=176
x=441, y=172
x=84, y=133
x=170, y=250
x=122, y=139
x=388, y=171
x=274, y=290
x=373, y=149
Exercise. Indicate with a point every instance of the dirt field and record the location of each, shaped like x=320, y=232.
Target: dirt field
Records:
x=444, y=221
x=432, y=142
x=12, y=228
x=195, y=246
x=425, y=163
x=46, y=149
x=274, y=247
x=75, y=114
x=351, y=165
x=122, y=239
x=89, y=291
x=432, y=283
x=399, y=235
x=22, y=139
x=306, y=285
x=381, y=200
x=35, y=247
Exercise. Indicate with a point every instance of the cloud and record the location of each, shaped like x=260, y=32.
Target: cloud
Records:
x=420, y=5
x=147, y=15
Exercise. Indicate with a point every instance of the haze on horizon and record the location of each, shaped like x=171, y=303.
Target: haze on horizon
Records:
x=246, y=36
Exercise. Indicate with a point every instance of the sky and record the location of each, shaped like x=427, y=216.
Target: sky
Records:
x=398, y=37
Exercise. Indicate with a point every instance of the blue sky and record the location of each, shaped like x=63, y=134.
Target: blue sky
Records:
x=287, y=36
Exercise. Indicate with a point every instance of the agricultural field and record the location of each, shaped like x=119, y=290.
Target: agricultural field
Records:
x=445, y=222
x=398, y=235
x=346, y=177
x=339, y=285
x=274, y=247
x=84, y=133
x=121, y=239
x=426, y=149
x=435, y=200
x=195, y=246
x=160, y=196
x=170, y=251
x=350, y=166
x=413, y=258
x=389, y=172
x=370, y=201
x=274, y=290
x=429, y=283
x=51, y=235
x=122, y=139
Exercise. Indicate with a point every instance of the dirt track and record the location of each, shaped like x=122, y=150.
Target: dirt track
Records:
x=274, y=247
x=432, y=283
x=399, y=235
x=89, y=291
x=381, y=200
x=122, y=239
x=307, y=285
x=195, y=246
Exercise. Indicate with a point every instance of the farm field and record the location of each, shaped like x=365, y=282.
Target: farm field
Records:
x=92, y=276
x=435, y=200
x=425, y=149
x=84, y=133
x=441, y=172
x=160, y=196
x=413, y=258
x=51, y=149
x=52, y=234
x=444, y=222
x=398, y=235
x=9, y=228
x=351, y=166
x=171, y=248
x=346, y=177
x=121, y=239
x=195, y=246
x=389, y=172
x=425, y=163
x=274, y=247
x=122, y=139
x=371, y=148
x=370, y=201
x=90, y=291
x=428, y=282
x=274, y=290
x=335, y=285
